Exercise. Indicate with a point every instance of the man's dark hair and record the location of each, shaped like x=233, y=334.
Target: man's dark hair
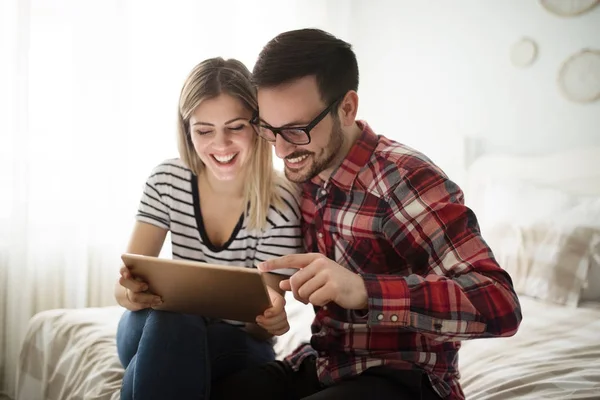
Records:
x=305, y=52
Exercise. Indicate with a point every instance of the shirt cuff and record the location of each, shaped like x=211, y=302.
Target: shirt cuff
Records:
x=388, y=300
x=359, y=316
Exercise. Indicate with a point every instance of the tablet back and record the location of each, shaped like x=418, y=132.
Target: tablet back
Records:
x=216, y=291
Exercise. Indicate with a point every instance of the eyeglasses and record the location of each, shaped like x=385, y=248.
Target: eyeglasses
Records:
x=298, y=135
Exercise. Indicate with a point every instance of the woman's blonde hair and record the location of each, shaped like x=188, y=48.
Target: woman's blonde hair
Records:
x=208, y=80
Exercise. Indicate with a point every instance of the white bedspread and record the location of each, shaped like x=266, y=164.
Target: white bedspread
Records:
x=71, y=354
x=555, y=355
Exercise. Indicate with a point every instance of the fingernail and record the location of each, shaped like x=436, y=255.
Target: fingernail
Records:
x=268, y=314
x=261, y=265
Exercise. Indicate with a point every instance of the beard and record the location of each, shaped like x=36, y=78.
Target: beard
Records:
x=319, y=163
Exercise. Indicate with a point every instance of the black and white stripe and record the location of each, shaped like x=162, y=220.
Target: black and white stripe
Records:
x=171, y=201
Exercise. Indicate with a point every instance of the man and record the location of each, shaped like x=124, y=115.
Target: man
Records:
x=397, y=270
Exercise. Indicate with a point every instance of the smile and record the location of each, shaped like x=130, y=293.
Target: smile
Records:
x=224, y=159
x=296, y=160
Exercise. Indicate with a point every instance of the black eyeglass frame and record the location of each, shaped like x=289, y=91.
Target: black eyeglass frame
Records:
x=306, y=129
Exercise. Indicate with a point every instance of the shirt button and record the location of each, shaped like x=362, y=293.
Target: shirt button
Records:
x=380, y=317
x=324, y=308
x=394, y=318
x=320, y=235
x=323, y=192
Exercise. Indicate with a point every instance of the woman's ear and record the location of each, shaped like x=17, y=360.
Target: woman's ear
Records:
x=348, y=108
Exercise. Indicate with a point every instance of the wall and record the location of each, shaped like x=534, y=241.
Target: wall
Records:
x=434, y=71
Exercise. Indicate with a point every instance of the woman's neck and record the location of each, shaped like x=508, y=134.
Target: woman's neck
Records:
x=231, y=189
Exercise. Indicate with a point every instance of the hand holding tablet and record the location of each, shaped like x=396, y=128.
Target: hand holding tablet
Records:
x=214, y=291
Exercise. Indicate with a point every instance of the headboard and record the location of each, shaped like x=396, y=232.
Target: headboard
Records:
x=575, y=171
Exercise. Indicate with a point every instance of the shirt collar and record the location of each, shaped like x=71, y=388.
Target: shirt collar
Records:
x=358, y=156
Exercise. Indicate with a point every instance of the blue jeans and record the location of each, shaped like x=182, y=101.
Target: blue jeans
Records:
x=168, y=355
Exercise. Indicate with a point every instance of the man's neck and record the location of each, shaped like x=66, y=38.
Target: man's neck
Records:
x=351, y=135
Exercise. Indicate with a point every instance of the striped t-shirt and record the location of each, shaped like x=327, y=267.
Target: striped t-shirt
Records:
x=171, y=201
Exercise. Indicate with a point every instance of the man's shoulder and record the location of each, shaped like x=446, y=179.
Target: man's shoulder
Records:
x=390, y=165
x=389, y=152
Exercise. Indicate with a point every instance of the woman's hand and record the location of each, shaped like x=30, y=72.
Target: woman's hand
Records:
x=135, y=292
x=274, y=320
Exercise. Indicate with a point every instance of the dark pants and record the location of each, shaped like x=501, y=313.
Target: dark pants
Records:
x=277, y=381
x=168, y=355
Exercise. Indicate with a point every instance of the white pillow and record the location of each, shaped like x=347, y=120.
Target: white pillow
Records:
x=585, y=212
x=520, y=203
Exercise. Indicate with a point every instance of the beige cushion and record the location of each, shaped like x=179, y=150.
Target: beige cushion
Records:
x=591, y=291
x=548, y=262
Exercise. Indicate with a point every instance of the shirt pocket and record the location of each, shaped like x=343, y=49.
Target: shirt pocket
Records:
x=358, y=255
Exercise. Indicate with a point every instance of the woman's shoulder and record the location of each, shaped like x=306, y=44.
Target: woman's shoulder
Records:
x=286, y=207
x=170, y=169
x=173, y=164
x=286, y=189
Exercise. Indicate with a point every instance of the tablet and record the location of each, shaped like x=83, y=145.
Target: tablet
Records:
x=214, y=291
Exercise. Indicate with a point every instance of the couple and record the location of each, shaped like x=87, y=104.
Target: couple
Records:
x=386, y=252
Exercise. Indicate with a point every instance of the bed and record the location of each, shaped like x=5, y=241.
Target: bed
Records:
x=71, y=353
x=541, y=216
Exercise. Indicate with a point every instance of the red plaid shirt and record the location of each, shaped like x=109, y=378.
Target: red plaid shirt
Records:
x=392, y=216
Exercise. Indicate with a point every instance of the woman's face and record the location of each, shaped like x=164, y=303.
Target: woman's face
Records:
x=222, y=136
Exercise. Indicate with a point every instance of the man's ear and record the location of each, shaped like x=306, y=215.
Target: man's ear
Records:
x=348, y=108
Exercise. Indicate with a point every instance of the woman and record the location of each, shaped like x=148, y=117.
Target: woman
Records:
x=223, y=203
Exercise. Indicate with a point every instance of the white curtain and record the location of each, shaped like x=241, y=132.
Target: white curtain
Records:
x=88, y=96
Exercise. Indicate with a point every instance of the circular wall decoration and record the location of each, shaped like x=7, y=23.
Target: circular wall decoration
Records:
x=579, y=76
x=523, y=53
x=568, y=8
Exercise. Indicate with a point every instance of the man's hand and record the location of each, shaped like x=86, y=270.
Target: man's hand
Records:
x=320, y=280
x=274, y=320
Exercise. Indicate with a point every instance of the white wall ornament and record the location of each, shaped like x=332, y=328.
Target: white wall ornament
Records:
x=579, y=76
x=568, y=8
x=523, y=53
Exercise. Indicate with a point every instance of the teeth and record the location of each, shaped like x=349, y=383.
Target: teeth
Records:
x=224, y=159
x=297, y=159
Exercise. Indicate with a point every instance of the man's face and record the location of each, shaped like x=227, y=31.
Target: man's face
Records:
x=297, y=104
